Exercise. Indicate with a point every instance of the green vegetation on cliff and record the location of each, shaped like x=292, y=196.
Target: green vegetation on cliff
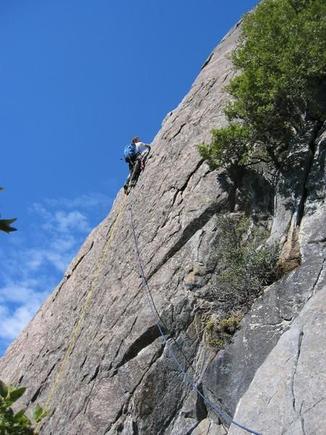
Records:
x=5, y=224
x=248, y=265
x=16, y=423
x=280, y=86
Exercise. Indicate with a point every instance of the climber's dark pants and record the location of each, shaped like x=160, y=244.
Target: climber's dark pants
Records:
x=131, y=162
x=136, y=165
x=131, y=165
x=135, y=172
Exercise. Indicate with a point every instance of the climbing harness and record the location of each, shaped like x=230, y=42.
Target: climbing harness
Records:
x=223, y=415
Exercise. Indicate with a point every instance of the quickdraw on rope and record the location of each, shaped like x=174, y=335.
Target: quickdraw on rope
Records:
x=223, y=415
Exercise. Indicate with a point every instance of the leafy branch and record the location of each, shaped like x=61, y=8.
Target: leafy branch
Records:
x=279, y=91
x=5, y=224
x=16, y=423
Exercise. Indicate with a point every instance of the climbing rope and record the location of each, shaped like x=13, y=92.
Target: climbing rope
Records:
x=187, y=378
x=223, y=415
x=83, y=313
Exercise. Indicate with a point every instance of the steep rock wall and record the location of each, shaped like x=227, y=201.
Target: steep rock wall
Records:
x=286, y=395
x=93, y=351
x=93, y=354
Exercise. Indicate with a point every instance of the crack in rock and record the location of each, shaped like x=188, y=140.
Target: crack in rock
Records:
x=179, y=130
x=143, y=341
x=190, y=175
x=195, y=225
x=307, y=169
x=80, y=259
x=313, y=290
x=40, y=388
x=311, y=242
x=313, y=406
x=294, y=402
x=125, y=405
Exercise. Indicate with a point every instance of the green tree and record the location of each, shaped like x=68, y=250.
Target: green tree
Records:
x=15, y=423
x=280, y=87
x=5, y=224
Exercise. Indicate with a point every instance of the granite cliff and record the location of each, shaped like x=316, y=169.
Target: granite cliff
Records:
x=93, y=354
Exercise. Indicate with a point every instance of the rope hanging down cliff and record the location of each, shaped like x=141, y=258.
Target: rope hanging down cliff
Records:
x=85, y=308
x=223, y=415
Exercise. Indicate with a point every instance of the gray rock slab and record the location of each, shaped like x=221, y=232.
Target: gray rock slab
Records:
x=231, y=371
x=287, y=394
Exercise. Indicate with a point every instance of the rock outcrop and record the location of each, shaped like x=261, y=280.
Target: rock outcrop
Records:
x=93, y=354
x=287, y=393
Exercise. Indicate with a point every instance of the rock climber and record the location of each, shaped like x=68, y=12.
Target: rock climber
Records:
x=135, y=155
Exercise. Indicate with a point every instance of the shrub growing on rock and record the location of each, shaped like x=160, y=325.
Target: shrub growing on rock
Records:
x=247, y=264
x=218, y=332
x=15, y=423
x=280, y=88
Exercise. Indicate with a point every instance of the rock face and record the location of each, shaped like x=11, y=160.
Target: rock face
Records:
x=93, y=354
x=287, y=393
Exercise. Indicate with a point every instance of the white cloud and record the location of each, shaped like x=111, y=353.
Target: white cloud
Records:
x=14, y=322
x=94, y=200
x=73, y=220
x=36, y=259
x=18, y=304
x=63, y=244
x=19, y=292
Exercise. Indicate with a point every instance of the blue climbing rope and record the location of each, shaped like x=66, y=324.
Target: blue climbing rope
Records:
x=223, y=415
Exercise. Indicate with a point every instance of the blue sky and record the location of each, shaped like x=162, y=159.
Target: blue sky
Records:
x=78, y=78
